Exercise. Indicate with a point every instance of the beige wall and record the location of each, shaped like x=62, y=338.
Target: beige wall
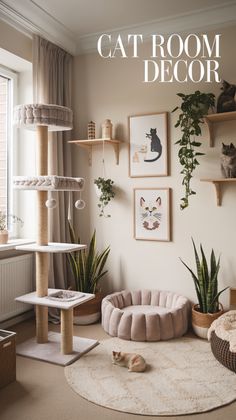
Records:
x=15, y=41
x=113, y=89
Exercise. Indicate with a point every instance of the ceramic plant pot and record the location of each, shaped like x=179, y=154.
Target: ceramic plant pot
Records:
x=3, y=237
x=201, y=322
x=89, y=312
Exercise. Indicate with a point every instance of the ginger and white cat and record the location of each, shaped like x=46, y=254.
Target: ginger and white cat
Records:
x=134, y=362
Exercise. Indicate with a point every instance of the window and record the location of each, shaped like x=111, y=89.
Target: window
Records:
x=7, y=84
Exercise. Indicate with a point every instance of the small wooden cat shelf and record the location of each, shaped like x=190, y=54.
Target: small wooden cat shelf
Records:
x=216, y=118
x=218, y=186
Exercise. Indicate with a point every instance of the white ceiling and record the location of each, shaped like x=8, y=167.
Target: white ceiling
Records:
x=76, y=24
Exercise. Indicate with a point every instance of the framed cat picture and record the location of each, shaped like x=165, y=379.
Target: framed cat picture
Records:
x=148, y=144
x=152, y=214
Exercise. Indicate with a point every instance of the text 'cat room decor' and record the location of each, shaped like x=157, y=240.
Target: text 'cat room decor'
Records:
x=148, y=145
x=152, y=214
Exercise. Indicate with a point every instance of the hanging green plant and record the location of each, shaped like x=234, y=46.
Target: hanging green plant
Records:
x=193, y=107
x=105, y=194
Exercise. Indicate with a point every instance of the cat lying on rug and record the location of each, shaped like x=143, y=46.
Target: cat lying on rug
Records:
x=134, y=362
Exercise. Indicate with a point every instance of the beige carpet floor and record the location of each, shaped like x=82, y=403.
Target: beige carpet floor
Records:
x=182, y=377
x=42, y=392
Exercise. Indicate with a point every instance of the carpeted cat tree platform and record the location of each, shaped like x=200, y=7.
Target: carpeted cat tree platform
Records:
x=56, y=348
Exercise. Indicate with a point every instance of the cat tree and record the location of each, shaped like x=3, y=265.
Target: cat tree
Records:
x=44, y=118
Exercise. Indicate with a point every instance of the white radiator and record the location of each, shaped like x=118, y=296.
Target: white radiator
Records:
x=16, y=279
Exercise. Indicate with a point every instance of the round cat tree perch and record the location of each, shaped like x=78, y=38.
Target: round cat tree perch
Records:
x=44, y=118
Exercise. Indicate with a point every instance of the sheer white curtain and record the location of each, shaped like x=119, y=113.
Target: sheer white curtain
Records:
x=52, y=68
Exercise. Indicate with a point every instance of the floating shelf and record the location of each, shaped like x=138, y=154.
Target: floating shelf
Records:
x=88, y=145
x=52, y=247
x=215, y=118
x=218, y=186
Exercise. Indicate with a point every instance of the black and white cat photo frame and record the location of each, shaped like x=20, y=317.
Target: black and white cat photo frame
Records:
x=152, y=214
x=148, y=145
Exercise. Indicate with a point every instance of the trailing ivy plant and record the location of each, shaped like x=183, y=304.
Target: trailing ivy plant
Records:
x=106, y=194
x=193, y=109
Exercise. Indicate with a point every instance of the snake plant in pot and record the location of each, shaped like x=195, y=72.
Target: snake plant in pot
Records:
x=88, y=269
x=206, y=286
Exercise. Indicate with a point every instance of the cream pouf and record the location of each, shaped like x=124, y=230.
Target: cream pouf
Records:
x=145, y=315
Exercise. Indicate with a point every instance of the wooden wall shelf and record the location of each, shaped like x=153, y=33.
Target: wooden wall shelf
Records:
x=215, y=118
x=88, y=145
x=218, y=186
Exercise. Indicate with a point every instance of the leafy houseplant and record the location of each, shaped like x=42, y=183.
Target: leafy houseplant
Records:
x=88, y=268
x=193, y=109
x=105, y=192
x=206, y=286
x=6, y=219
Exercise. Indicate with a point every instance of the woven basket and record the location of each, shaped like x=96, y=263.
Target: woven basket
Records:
x=204, y=320
x=201, y=321
x=89, y=312
x=220, y=349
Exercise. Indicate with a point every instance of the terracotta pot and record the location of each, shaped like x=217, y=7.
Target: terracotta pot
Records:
x=201, y=322
x=3, y=237
x=89, y=312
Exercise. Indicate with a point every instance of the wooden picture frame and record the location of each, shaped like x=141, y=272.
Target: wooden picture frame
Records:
x=148, y=145
x=152, y=214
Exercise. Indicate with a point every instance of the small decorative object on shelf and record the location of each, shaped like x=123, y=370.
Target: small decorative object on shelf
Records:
x=5, y=220
x=105, y=193
x=193, y=108
x=226, y=101
x=91, y=130
x=206, y=286
x=107, y=129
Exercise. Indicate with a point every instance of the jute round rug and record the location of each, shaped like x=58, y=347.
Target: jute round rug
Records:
x=182, y=377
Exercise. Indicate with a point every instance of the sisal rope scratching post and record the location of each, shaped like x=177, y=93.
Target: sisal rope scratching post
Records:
x=42, y=262
x=66, y=331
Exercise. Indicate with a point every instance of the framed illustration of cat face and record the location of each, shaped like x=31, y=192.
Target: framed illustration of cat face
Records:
x=152, y=214
x=148, y=154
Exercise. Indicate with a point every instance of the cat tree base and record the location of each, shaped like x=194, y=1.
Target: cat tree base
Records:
x=63, y=348
x=51, y=351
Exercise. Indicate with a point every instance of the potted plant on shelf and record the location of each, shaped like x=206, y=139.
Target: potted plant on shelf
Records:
x=206, y=285
x=193, y=109
x=6, y=219
x=88, y=268
x=105, y=192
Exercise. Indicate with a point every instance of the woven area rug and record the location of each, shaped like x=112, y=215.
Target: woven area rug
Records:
x=182, y=377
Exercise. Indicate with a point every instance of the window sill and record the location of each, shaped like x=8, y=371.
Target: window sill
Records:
x=12, y=243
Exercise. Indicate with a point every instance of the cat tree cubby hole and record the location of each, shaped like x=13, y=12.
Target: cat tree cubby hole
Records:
x=88, y=145
x=217, y=118
x=218, y=187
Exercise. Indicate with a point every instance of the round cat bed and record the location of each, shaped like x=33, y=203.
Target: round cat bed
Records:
x=222, y=335
x=145, y=315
